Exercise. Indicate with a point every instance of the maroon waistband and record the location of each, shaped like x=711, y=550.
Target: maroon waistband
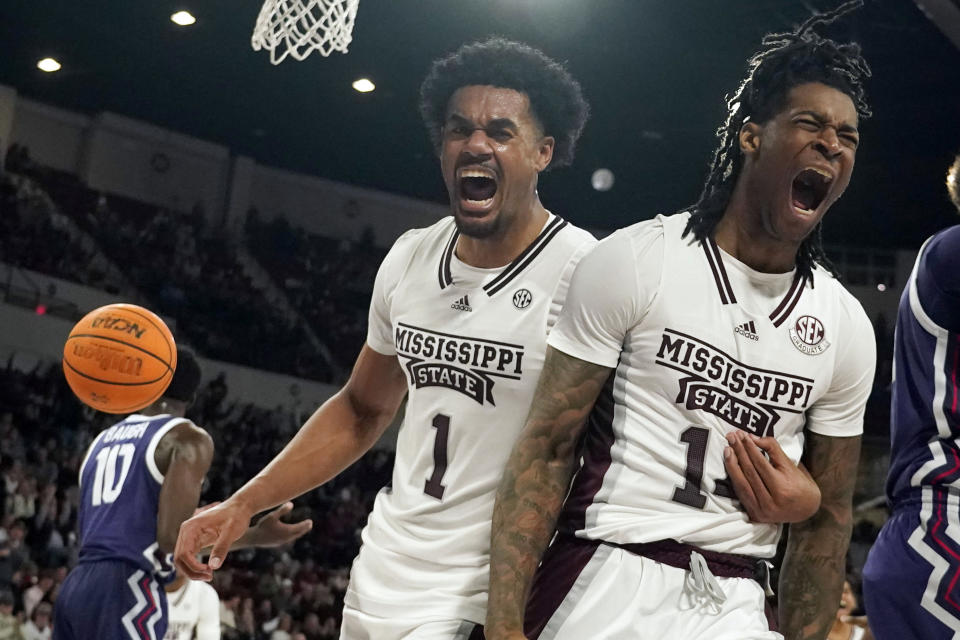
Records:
x=677, y=554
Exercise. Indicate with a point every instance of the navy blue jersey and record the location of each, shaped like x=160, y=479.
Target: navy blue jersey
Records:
x=119, y=493
x=925, y=409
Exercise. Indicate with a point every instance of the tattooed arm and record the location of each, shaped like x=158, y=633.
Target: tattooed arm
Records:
x=534, y=485
x=811, y=579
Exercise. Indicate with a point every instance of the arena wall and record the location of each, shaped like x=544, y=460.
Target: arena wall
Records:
x=56, y=137
x=8, y=99
x=124, y=156
x=51, y=291
x=338, y=210
x=157, y=166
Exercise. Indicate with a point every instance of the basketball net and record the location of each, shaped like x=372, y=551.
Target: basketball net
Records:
x=299, y=27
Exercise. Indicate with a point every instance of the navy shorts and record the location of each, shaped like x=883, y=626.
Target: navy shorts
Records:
x=911, y=581
x=110, y=600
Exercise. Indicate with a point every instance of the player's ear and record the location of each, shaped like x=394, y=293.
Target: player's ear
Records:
x=545, y=152
x=749, y=137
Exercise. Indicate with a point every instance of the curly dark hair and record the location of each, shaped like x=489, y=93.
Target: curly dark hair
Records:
x=556, y=99
x=785, y=61
x=953, y=182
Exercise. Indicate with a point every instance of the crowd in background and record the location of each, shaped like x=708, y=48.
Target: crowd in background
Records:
x=44, y=432
x=185, y=269
x=27, y=221
x=328, y=280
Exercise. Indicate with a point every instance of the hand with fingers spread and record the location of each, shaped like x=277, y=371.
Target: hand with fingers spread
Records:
x=768, y=484
x=270, y=531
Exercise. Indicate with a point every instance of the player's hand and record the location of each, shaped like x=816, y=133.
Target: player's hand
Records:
x=770, y=487
x=270, y=531
x=219, y=527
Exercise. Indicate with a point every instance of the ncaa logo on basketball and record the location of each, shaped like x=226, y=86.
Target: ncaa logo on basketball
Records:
x=809, y=336
x=522, y=298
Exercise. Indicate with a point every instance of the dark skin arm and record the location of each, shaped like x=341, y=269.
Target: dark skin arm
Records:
x=335, y=436
x=534, y=485
x=811, y=579
x=183, y=456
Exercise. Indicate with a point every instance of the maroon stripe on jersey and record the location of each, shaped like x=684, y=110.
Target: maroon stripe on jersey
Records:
x=561, y=566
x=477, y=633
x=526, y=256
x=446, y=276
x=719, y=272
x=594, y=446
x=790, y=300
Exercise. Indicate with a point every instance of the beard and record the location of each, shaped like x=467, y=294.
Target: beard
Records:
x=479, y=229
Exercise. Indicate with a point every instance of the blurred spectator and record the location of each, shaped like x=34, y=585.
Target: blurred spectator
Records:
x=36, y=593
x=38, y=626
x=278, y=628
x=193, y=610
x=9, y=624
x=228, y=617
x=13, y=551
x=848, y=625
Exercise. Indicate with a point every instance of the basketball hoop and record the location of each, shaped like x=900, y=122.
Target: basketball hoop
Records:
x=299, y=27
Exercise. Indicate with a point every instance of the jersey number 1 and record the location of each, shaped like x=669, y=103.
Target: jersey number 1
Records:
x=433, y=487
x=107, y=484
x=696, y=439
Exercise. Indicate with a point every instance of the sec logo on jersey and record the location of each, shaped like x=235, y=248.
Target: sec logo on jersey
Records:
x=522, y=298
x=809, y=336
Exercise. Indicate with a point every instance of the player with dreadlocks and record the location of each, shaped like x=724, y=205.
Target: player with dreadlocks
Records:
x=724, y=333
x=786, y=60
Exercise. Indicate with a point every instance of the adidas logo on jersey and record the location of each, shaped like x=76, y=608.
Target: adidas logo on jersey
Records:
x=462, y=305
x=747, y=330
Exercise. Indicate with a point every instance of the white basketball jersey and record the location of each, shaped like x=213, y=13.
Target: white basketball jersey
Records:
x=700, y=345
x=472, y=343
x=193, y=612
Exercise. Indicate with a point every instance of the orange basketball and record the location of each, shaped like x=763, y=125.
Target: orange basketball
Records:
x=119, y=358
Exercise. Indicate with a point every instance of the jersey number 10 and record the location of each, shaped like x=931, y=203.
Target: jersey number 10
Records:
x=107, y=483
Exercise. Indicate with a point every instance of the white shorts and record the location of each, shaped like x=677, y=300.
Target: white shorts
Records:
x=358, y=625
x=393, y=596
x=621, y=595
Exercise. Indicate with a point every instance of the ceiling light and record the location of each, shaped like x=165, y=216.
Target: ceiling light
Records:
x=364, y=85
x=49, y=65
x=602, y=179
x=183, y=18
